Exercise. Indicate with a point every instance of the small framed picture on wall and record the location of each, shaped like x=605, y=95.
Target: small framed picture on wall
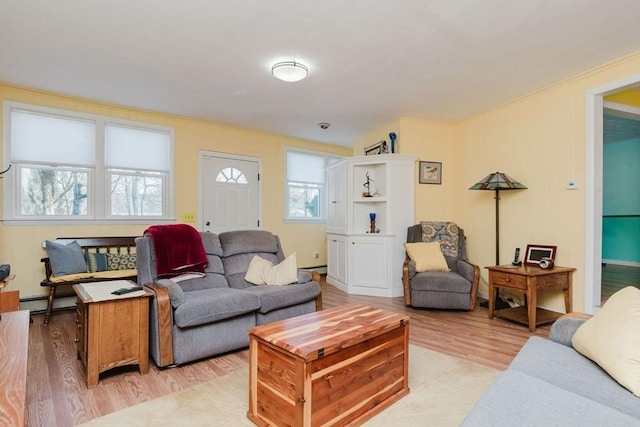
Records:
x=430, y=173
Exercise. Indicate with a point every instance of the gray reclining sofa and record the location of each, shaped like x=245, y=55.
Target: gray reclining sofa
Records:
x=205, y=316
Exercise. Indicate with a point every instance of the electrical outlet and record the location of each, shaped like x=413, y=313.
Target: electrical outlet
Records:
x=189, y=217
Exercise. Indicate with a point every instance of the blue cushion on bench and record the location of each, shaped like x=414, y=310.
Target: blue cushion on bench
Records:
x=66, y=259
x=96, y=262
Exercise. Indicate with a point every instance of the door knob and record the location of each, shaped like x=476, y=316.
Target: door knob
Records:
x=208, y=223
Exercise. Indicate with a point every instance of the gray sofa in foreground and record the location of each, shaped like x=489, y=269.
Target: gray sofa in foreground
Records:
x=551, y=384
x=205, y=316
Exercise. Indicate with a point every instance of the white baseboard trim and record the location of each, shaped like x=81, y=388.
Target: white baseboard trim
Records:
x=623, y=263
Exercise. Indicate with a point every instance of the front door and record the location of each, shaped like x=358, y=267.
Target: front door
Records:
x=230, y=193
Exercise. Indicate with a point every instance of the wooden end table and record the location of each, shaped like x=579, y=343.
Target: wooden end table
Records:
x=529, y=280
x=338, y=366
x=112, y=332
x=9, y=300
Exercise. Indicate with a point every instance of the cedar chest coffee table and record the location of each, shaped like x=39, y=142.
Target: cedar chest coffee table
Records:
x=338, y=366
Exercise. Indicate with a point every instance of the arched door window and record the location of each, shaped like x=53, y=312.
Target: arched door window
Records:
x=231, y=176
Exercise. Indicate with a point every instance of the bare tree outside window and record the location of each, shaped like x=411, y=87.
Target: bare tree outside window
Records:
x=53, y=192
x=136, y=194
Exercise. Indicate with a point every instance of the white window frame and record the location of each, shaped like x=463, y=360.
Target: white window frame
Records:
x=328, y=159
x=98, y=202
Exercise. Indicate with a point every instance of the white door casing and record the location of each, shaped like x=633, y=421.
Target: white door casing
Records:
x=230, y=192
x=593, y=188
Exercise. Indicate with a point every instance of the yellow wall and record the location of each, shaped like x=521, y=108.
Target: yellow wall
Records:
x=539, y=140
x=628, y=97
x=21, y=246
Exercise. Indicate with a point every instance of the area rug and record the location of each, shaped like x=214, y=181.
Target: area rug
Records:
x=443, y=390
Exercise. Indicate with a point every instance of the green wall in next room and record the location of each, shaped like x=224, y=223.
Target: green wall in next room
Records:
x=621, y=202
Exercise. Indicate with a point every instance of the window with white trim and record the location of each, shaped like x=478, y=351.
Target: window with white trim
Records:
x=305, y=188
x=72, y=166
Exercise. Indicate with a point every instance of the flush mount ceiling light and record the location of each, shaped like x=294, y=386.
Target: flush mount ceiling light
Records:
x=289, y=71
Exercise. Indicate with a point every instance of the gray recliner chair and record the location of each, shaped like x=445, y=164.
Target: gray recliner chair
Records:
x=454, y=289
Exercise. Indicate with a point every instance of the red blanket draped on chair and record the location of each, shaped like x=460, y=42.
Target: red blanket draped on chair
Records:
x=178, y=249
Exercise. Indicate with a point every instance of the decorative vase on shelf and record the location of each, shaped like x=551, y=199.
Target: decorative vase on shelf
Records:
x=372, y=217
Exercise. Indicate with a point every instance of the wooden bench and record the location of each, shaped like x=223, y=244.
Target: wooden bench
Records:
x=115, y=245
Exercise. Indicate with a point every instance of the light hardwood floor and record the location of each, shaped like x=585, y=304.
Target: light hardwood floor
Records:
x=56, y=386
x=616, y=277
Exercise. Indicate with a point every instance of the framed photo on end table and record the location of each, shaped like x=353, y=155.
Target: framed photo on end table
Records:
x=536, y=252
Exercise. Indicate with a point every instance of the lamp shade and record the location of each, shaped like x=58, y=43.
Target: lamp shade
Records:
x=497, y=181
x=289, y=71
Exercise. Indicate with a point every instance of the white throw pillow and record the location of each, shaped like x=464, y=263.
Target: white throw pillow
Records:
x=256, y=272
x=284, y=273
x=611, y=338
x=427, y=255
x=263, y=272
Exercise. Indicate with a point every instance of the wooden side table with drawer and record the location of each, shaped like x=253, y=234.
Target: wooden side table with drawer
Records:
x=112, y=332
x=529, y=280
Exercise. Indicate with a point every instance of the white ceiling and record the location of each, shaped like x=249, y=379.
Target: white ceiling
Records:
x=370, y=61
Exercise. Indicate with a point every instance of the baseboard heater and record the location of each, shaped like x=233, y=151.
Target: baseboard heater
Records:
x=45, y=297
